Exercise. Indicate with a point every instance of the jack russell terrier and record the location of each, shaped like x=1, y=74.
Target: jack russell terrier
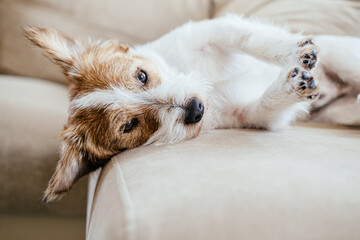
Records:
x=228, y=72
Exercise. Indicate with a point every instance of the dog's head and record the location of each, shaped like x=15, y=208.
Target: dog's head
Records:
x=120, y=98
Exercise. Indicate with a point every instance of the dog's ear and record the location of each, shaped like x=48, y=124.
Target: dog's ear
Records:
x=69, y=168
x=59, y=47
x=74, y=163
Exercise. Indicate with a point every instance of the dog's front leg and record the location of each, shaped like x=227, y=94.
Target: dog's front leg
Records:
x=186, y=46
x=262, y=40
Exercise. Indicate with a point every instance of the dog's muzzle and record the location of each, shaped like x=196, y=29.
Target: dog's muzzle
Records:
x=194, y=111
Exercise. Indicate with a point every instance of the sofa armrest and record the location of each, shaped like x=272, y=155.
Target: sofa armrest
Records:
x=299, y=183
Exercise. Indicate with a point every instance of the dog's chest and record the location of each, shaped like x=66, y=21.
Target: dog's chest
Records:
x=243, y=80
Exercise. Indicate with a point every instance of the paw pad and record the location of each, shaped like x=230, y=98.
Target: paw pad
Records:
x=306, y=42
x=308, y=53
x=304, y=84
x=310, y=59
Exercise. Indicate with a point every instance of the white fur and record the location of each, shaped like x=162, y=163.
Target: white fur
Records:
x=238, y=68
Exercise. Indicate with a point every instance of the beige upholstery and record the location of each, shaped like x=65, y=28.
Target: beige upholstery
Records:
x=134, y=21
x=339, y=17
x=300, y=183
x=52, y=227
x=32, y=114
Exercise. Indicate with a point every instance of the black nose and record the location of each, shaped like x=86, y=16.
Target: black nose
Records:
x=194, y=111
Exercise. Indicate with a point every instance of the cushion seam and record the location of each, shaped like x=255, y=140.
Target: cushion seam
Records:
x=129, y=215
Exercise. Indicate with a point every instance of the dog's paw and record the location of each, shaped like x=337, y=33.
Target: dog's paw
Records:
x=303, y=84
x=307, y=53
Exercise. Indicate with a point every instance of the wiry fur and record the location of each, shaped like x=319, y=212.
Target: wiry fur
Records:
x=246, y=74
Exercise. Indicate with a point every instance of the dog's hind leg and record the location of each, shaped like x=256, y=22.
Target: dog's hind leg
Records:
x=345, y=110
x=341, y=58
x=339, y=78
x=290, y=95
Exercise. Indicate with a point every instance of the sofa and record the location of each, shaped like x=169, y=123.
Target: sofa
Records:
x=297, y=183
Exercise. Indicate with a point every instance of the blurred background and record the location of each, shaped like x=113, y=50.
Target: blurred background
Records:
x=33, y=96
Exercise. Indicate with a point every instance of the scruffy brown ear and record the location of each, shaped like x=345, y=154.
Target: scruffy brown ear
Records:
x=67, y=51
x=74, y=163
x=60, y=47
x=69, y=168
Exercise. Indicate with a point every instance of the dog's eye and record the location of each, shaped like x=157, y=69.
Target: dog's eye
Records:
x=130, y=125
x=142, y=77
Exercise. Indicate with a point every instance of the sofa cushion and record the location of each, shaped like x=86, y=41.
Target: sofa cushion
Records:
x=339, y=17
x=134, y=21
x=300, y=183
x=40, y=227
x=32, y=113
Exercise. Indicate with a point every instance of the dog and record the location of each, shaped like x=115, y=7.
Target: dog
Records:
x=229, y=72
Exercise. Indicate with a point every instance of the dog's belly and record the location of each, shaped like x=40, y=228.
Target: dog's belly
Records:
x=243, y=83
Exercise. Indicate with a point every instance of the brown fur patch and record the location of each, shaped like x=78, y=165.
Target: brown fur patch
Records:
x=101, y=130
x=99, y=69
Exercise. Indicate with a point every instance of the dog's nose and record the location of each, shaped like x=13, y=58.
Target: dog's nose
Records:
x=194, y=111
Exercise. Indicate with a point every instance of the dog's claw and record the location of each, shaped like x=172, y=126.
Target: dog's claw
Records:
x=313, y=96
x=312, y=84
x=314, y=53
x=308, y=54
